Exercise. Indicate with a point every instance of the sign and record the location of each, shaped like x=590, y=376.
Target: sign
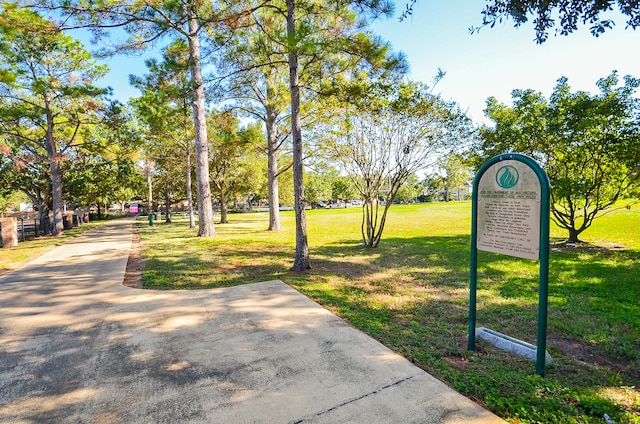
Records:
x=133, y=208
x=510, y=215
x=508, y=210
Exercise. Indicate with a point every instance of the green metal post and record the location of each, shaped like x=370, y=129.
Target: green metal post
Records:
x=543, y=292
x=473, y=275
x=150, y=220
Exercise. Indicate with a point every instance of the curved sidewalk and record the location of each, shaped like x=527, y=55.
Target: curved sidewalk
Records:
x=78, y=346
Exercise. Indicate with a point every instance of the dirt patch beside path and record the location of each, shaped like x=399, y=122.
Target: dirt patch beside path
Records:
x=133, y=274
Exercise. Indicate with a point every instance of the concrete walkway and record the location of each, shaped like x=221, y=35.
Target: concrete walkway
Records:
x=76, y=346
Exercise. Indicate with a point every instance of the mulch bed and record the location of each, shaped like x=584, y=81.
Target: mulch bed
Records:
x=133, y=273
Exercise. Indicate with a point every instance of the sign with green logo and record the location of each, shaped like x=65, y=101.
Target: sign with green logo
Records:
x=507, y=176
x=508, y=208
x=510, y=215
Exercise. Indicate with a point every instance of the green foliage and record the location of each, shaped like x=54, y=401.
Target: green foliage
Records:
x=569, y=14
x=147, y=23
x=94, y=180
x=454, y=172
x=10, y=201
x=165, y=117
x=237, y=169
x=343, y=188
x=403, y=130
x=410, y=190
x=318, y=188
x=47, y=103
x=588, y=145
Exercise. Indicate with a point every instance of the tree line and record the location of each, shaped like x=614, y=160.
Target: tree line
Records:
x=303, y=84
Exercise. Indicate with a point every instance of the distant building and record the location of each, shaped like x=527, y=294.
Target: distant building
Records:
x=26, y=207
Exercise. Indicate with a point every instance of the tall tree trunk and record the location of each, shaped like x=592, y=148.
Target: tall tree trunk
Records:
x=249, y=207
x=574, y=235
x=56, y=175
x=147, y=170
x=56, y=186
x=187, y=142
x=223, y=207
x=301, y=262
x=167, y=203
x=40, y=203
x=272, y=172
x=203, y=188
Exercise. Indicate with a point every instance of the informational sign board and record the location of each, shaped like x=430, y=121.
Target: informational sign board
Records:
x=133, y=208
x=508, y=210
x=510, y=216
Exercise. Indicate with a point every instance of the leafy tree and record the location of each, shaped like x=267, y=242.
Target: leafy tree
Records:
x=410, y=190
x=95, y=180
x=170, y=180
x=432, y=184
x=331, y=37
x=11, y=201
x=19, y=170
x=256, y=66
x=589, y=145
x=454, y=173
x=147, y=23
x=343, y=188
x=46, y=81
x=569, y=14
x=164, y=109
x=318, y=188
x=104, y=170
x=407, y=130
x=286, y=191
x=252, y=173
x=233, y=162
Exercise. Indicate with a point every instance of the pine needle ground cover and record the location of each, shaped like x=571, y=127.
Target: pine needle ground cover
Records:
x=411, y=293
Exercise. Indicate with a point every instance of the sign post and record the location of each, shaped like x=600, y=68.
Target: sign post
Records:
x=510, y=216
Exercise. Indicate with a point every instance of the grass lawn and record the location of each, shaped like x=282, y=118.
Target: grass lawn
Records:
x=411, y=293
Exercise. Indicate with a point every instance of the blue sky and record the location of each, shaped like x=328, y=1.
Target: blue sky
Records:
x=489, y=63
x=497, y=60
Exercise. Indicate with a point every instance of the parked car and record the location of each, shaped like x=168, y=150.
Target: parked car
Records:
x=338, y=205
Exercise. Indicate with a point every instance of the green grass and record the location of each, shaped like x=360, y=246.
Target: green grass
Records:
x=411, y=293
x=28, y=250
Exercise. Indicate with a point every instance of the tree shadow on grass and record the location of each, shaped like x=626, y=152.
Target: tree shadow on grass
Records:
x=412, y=295
x=413, y=257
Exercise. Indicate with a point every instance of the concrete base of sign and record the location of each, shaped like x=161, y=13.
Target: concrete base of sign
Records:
x=510, y=344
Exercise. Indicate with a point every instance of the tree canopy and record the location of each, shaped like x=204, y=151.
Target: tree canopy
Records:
x=147, y=23
x=48, y=98
x=589, y=145
x=405, y=130
x=565, y=14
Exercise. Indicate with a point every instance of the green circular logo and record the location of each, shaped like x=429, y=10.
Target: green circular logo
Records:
x=507, y=177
